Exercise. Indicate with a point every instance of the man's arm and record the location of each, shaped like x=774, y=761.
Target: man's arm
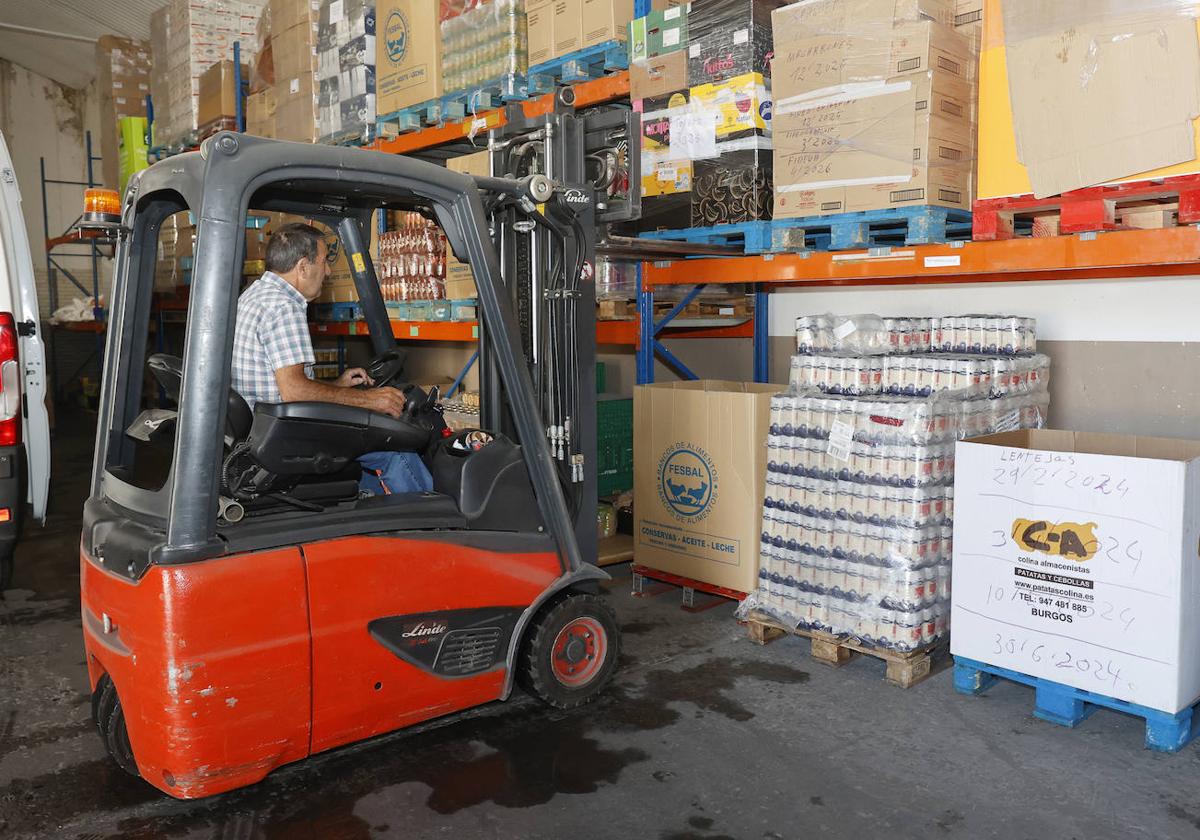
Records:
x=294, y=386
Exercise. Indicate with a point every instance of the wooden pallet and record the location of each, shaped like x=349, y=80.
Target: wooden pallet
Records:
x=579, y=66
x=511, y=87
x=667, y=582
x=1068, y=706
x=903, y=669
x=737, y=307
x=922, y=225
x=616, y=310
x=1159, y=203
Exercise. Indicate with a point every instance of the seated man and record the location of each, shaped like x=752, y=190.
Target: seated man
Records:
x=273, y=354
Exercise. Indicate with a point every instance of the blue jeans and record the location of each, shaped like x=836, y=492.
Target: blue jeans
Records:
x=401, y=472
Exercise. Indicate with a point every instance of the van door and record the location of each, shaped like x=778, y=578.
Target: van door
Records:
x=30, y=372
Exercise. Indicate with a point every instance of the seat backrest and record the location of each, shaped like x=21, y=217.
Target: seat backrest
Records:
x=168, y=370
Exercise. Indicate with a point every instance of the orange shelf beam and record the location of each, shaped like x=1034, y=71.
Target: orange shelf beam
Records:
x=595, y=92
x=1135, y=253
x=607, y=332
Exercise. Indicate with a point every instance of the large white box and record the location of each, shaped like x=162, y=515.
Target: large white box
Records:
x=1075, y=560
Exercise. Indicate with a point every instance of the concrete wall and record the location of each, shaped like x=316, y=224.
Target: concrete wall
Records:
x=41, y=118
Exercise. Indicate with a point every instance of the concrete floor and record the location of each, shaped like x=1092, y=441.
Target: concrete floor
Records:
x=704, y=736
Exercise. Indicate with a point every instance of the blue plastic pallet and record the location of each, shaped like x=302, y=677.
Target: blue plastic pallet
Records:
x=842, y=232
x=579, y=66
x=1068, y=706
x=511, y=87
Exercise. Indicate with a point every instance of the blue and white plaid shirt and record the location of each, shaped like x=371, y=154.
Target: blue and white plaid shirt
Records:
x=271, y=333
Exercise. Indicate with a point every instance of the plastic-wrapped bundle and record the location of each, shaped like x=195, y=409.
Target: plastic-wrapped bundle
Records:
x=920, y=375
x=872, y=335
x=727, y=38
x=346, y=71
x=486, y=43
x=853, y=501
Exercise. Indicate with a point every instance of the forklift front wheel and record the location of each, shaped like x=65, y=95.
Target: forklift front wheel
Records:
x=570, y=652
x=110, y=721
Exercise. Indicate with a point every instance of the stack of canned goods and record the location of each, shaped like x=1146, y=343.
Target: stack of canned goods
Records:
x=873, y=335
x=858, y=508
x=921, y=375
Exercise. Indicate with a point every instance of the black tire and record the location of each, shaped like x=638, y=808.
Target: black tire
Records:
x=110, y=722
x=577, y=676
x=6, y=569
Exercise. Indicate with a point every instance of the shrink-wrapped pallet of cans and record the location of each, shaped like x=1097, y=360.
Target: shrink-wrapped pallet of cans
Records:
x=858, y=503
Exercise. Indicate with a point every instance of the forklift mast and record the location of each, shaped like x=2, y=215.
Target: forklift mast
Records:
x=552, y=286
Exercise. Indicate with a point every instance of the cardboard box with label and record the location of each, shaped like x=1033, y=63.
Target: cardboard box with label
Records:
x=539, y=15
x=606, y=20
x=657, y=77
x=659, y=33
x=408, y=61
x=296, y=110
x=568, y=26
x=727, y=38
x=1134, y=119
x=1075, y=560
x=909, y=142
x=700, y=462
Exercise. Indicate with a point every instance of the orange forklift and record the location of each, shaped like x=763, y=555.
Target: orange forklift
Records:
x=243, y=606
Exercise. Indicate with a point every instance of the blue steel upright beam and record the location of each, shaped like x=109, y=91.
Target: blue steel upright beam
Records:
x=239, y=105
x=762, y=336
x=646, y=341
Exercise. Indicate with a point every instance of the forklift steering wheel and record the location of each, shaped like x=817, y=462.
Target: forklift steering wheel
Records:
x=386, y=368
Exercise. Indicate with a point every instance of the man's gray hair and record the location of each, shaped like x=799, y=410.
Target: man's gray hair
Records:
x=290, y=243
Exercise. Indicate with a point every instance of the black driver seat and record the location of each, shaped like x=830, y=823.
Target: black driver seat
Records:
x=168, y=370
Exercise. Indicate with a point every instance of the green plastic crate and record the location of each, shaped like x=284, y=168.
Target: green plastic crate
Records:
x=614, y=446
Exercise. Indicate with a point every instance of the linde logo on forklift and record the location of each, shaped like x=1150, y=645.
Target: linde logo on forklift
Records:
x=574, y=196
x=422, y=629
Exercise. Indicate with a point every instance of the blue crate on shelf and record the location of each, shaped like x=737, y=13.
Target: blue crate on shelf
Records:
x=337, y=311
x=749, y=236
x=579, y=66
x=1069, y=706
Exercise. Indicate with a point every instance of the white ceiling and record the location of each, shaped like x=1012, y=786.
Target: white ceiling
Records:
x=73, y=63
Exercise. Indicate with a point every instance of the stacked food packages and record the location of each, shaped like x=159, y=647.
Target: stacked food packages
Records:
x=702, y=78
x=188, y=37
x=857, y=516
x=875, y=107
x=484, y=43
x=346, y=71
x=412, y=260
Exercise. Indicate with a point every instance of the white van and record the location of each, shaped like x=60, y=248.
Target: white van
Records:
x=24, y=423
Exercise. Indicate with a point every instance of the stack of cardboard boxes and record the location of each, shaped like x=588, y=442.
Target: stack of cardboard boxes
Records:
x=123, y=82
x=560, y=27
x=217, y=107
x=294, y=55
x=408, y=54
x=875, y=106
x=702, y=76
x=188, y=37
x=346, y=70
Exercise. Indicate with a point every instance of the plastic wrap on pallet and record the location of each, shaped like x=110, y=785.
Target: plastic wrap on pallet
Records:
x=727, y=38
x=920, y=375
x=412, y=260
x=868, y=334
x=188, y=38
x=1116, y=19
x=857, y=515
x=706, y=155
x=346, y=71
x=484, y=42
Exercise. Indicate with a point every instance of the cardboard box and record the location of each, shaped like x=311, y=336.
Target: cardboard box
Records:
x=122, y=84
x=260, y=113
x=408, y=61
x=909, y=142
x=727, y=38
x=606, y=20
x=568, y=26
x=296, y=110
x=812, y=62
x=294, y=52
x=659, y=76
x=658, y=33
x=1075, y=561
x=477, y=164
x=460, y=282
x=218, y=94
x=700, y=461
x=540, y=26
x=286, y=14
x=968, y=16
x=1135, y=119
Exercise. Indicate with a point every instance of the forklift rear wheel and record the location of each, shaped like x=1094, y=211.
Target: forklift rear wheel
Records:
x=110, y=721
x=6, y=569
x=570, y=652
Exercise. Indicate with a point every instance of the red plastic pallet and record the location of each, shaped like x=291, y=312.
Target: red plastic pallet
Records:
x=1087, y=210
x=688, y=586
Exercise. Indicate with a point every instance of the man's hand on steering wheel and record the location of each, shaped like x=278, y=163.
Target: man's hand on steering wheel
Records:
x=353, y=377
x=388, y=401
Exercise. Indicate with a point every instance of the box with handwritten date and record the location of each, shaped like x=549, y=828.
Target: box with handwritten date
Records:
x=1076, y=560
